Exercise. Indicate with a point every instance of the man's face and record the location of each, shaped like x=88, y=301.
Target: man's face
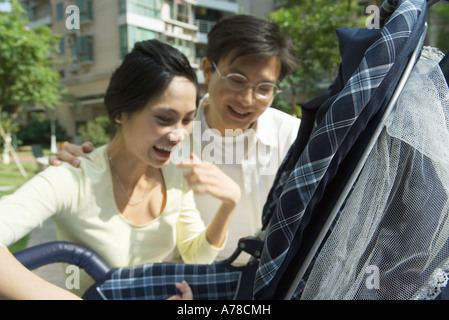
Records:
x=229, y=109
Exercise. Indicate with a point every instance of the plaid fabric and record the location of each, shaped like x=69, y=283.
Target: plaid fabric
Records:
x=156, y=281
x=294, y=188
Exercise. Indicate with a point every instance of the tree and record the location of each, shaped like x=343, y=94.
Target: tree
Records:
x=99, y=131
x=312, y=24
x=438, y=20
x=26, y=74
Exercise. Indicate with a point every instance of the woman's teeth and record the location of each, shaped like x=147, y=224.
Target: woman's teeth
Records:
x=163, y=149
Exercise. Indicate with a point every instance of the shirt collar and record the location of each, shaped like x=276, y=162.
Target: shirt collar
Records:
x=264, y=126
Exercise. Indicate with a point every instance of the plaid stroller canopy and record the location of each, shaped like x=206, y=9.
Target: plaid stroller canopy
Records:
x=300, y=212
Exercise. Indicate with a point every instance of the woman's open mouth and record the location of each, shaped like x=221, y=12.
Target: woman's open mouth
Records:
x=163, y=152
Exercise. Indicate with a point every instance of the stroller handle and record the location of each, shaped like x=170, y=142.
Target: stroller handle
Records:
x=64, y=252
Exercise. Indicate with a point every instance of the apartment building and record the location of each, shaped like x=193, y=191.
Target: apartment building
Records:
x=107, y=30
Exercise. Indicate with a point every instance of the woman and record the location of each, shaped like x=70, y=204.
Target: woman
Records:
x=130, y=203
x=240, y=133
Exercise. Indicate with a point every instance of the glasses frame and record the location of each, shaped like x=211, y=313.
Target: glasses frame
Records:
x=276, y=89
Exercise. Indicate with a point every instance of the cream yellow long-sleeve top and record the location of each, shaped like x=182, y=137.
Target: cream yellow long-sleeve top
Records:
x=80, y=202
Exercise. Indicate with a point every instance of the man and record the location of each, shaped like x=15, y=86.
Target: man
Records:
x=239, y=133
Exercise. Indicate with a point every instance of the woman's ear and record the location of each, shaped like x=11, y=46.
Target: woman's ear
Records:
x=118, y=119
x=207, y=68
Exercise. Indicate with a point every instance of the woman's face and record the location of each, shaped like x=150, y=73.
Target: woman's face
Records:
x=152, y=133
x=238, y=110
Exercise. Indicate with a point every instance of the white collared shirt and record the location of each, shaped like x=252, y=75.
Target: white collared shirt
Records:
x=251, y=159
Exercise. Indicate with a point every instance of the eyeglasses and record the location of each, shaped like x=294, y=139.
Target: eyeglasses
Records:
x=238, y=82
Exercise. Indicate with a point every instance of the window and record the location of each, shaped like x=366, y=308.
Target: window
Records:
x=131, y=34
x=185, y=46
x=62, y=45
x=123, y=41
x=147, y=8
x=180, y=11
x=60, y=11
x=31, y=13
x=86, y=10
x=85, y=48
x=122, y=6
x=139, y=34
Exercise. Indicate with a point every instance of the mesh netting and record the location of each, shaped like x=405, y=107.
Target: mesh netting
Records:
x=391, y=238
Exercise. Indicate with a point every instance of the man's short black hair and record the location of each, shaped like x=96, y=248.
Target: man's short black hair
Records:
x=245, y=35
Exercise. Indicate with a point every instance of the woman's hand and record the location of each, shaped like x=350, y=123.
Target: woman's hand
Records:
x=70, y=153
x=204, y=177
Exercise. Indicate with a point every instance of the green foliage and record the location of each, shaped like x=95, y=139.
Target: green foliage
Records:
x=12, y=177
x=38, y=131
x=8, y=124
x=26, y=74
x=312, y=24
x=19, y=245
x=439, y=14
x=99, y=131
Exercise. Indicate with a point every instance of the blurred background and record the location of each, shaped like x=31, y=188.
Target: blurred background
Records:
x=49, y=98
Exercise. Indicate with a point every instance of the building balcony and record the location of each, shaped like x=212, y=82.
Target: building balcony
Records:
x=182, y=30
x=227, y=6
x=141, y=21
x=204, y=26
x=43, y=21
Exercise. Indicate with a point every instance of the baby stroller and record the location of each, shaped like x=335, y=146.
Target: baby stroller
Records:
x=365, y=181
x=360, y=206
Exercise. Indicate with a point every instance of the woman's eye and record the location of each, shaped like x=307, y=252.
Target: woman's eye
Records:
x=187, y=121
x=163, y=120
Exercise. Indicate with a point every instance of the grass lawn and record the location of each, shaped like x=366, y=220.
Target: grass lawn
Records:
x=10, y=176
x=10, y=180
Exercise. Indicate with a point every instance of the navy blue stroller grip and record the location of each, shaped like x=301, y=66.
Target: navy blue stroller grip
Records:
x=152, y=281
x=64, y=252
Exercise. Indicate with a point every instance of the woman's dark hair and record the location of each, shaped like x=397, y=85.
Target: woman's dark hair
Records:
x=244, y=35
x=144, y=74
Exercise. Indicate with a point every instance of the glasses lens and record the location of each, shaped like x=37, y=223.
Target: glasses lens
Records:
x=236, y=82
x=265, y=90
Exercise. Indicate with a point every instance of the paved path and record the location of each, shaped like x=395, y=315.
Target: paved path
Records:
x=53, y=273
x=47, y=233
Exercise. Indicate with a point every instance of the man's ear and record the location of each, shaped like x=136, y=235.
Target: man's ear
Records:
x=207, y=69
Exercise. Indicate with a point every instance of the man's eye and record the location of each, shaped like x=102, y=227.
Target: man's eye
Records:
x=237, y=81
x=265, y=88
